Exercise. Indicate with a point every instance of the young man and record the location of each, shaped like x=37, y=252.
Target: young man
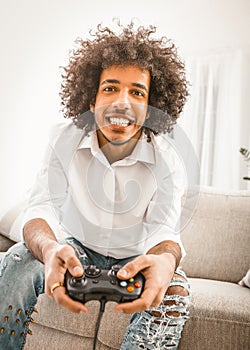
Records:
x=111, y=184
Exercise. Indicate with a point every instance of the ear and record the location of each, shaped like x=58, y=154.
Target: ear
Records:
x=147, y=115
x=92, y=107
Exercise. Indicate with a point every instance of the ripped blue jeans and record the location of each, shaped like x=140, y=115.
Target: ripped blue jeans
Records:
x=22, y=281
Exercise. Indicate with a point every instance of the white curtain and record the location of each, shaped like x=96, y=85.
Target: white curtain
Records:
x=216, y=117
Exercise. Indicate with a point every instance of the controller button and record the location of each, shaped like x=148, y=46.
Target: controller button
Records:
x=131, y=279
x=95, y=281
x=130, y=289
x=137, y=285
x=123, y=284
x=112, y=281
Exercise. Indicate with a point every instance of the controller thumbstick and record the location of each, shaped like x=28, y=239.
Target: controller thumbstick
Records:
x=77, y=281
x=115, y=269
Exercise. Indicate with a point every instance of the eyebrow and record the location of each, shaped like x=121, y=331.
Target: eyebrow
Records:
x=115, y=81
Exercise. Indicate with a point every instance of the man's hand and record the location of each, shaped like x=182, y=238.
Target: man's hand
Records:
x=158, y=271
x=57, y=259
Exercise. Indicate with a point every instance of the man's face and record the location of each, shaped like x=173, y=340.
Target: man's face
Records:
x=121, y=102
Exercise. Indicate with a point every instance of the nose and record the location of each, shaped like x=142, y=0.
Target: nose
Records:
x=122, y=100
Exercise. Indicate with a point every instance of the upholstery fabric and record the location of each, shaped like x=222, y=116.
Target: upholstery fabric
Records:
x=5, y=244
x=245, y=280
x=217, y=237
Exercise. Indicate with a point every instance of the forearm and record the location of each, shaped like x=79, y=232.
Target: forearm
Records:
x=39, y=238
x=167, y=247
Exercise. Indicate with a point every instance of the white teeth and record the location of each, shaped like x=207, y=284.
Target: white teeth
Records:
x=119, y=121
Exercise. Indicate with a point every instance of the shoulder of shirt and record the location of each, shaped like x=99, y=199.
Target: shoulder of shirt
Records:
x=166, y=150
x=63, y=130
x=162, y=142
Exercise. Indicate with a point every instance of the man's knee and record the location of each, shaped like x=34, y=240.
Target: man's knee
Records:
x=176, y=299
x=18, y=263
x=178, y=289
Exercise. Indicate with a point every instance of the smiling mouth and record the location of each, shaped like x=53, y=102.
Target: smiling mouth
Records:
x=116, y=121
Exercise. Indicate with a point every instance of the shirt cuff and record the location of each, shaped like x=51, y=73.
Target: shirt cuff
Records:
x=45, y=213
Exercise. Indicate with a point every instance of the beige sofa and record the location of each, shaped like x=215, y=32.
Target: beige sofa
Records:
x=217, y=241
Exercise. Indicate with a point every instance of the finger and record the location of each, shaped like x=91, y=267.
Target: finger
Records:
x=145, y=301
x=133, y=267
x=158, y=300
x=67, y=254
x=138, y=305
x=61, y=298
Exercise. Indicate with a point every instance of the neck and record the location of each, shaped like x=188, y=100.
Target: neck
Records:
x=115, y=151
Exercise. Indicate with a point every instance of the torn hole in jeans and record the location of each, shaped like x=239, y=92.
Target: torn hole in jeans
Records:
x=161, y=327
x=157, y=332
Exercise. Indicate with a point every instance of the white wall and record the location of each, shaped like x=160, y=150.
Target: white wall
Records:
x=36, y=37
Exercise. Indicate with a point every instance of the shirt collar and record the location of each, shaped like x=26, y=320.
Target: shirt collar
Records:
x=90, y=141
x=143, y=151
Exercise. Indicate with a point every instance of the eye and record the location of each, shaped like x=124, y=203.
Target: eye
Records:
x=109, y=89
x=138, y=93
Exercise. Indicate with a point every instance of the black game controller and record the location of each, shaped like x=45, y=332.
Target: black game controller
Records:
x=98, y=284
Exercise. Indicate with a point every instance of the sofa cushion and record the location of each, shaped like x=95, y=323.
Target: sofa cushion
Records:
x=5, y=244
x=11, y=222
x=219, y=300
x=53, y=339
x=217, y=238
x=82, y=325
x=245, y=280
x=219, y=317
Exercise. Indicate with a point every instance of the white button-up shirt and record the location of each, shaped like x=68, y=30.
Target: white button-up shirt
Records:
x=121, y=209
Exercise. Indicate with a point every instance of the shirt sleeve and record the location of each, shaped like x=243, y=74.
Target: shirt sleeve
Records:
x=162, y=219
x=49, y=192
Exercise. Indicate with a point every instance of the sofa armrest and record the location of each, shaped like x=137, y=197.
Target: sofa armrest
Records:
x=5, y=243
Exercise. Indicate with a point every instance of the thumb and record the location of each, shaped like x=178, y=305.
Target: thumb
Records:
x=77, y=271
x=123, y=273
x=75, y=267
x=127, y=271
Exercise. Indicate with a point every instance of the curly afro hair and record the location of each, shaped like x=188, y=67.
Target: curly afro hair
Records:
x=137, y=47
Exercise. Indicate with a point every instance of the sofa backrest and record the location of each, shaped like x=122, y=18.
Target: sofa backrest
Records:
x=217, y=238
